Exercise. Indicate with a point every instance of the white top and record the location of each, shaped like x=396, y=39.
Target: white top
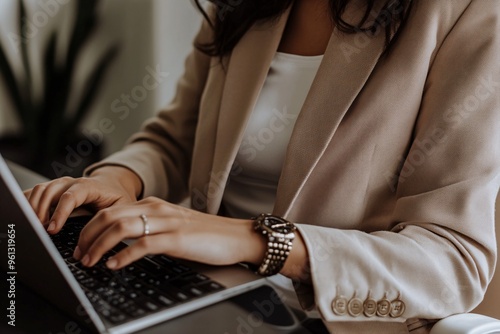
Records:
x=252, y=189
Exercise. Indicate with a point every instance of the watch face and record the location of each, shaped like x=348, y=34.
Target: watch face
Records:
x=279, y=227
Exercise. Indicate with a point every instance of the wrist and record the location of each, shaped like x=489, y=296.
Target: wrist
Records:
x=296, y=266
x=254, y=245
x=123, y=177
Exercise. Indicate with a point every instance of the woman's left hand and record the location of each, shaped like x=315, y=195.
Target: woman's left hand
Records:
x=174, y=230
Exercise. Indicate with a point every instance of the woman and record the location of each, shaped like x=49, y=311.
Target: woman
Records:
x=370, y=126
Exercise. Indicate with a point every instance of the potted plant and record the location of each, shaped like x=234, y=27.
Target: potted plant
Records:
x=49, y=128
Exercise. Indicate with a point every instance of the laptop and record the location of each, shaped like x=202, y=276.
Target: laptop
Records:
x=149, y=291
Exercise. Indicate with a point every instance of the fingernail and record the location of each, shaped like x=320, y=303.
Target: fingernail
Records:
x=86, y=259
x=52, y=227
x=77, y=254
x=112, y=263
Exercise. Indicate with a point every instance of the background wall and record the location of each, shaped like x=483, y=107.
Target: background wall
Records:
x=154, y=36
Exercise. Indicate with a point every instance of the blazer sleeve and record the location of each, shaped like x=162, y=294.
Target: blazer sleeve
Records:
x=439, y=254
x=160, y=154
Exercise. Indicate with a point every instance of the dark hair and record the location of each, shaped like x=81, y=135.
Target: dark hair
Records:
x=234, y=17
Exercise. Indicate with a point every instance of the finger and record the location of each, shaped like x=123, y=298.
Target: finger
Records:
x=151, y=244
x=83, y=191
x=75, y=196
x=27, y=193
x=134, y=211
x=103, y=220
x=34, y=199
x=122, y=218
x=94, y=245
x=50, y=197
x=113, y=225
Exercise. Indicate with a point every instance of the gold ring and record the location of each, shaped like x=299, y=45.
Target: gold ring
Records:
x=145, y=223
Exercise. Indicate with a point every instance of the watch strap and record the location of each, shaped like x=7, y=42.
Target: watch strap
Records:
x=279, y=245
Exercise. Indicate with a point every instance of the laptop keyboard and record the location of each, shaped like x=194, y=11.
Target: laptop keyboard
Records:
x=146, y=286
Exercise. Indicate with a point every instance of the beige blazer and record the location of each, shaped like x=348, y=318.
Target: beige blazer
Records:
x=392, y=170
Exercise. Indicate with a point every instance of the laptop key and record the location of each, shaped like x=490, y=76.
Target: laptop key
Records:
x=164, y=300
x=151, y=267
x=181, y=269
x=117, y=300
x=151, y=306
x=71, y=260
x=80, y=276
x=148, y=291
x=93, y=297
x=92, y=271
x=137, y=286
x=210, y=286
x=73, y=269
x=138, y=312
x=148, y=304
x=181, y=296
x=178, y=283
x=89, y=282
x=131, y=308
x=162, y=260
x=106, y=312
x=195, y=291
x=132, y=295
x=153, y=282
x=196, y=279
x=117, y=318
x=66, y=253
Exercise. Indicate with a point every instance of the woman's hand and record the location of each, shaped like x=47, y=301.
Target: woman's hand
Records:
x=106, y=187
x=174, y=230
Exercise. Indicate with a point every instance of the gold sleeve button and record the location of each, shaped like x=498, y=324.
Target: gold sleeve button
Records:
x=339, y=305
x=383, y=307
x=355, y=307
x=398, y=307
x=370, y=307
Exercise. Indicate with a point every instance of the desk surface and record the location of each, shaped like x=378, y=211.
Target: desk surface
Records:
x=236, y=315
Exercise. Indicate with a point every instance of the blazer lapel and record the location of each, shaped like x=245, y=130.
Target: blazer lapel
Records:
x=241, y=90
x=347, y=65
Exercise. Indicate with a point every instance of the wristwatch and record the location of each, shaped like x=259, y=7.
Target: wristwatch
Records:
x=280, y=234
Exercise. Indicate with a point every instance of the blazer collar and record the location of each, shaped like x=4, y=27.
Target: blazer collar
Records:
x=346, y=66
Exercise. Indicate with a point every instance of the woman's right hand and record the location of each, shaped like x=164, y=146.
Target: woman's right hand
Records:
x=54, y=201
